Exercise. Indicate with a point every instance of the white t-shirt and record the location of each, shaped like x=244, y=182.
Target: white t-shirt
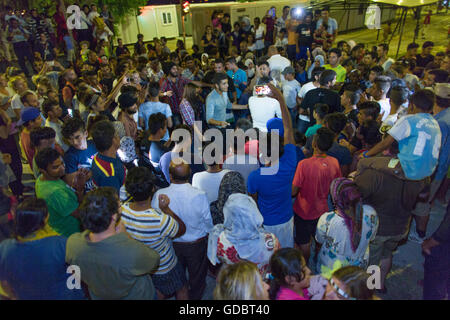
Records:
x=209, y=183
x=262, y=109
x=92, y=15
x=59, y=138
x=385, y=108
x=304, y=90
x=278, y=62
x=258, y=34
x=290, y=91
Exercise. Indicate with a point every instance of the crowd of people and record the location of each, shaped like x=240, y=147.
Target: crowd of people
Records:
x=349, y=153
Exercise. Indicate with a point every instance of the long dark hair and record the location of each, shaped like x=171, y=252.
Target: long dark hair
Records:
x=285, y=262
x=191, y=96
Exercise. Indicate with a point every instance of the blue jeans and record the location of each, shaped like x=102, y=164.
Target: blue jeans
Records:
x=303, y=125
x=293, y=112
x=284, y=232
x=292, y=51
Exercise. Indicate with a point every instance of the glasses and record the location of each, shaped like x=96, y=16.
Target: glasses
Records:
x=339, y=291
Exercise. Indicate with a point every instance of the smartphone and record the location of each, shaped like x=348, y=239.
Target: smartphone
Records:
x=272, y=12
x=262, y=90
x=51, y=63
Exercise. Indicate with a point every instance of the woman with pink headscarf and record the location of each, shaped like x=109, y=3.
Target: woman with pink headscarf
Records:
x=344, y=233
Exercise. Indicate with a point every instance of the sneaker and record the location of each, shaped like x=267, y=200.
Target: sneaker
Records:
x=413, y=236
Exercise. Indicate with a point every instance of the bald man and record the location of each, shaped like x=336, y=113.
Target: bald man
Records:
x=193, y=208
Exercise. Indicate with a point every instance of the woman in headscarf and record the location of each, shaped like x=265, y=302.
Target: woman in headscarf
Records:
x=232, y=182
x=344, y=234
x=319, y=61
x=246, y=26
x=241, y=236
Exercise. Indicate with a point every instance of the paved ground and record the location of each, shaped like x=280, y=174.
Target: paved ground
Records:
x=407, y=271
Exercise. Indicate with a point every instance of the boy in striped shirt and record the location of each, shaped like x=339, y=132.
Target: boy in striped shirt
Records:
x=155, y=229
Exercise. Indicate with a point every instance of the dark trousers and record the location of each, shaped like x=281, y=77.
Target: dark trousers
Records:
x=291, y=51
x=23, y=51
x=16, y=167
x=83, y=35
x=436, y=282
x=193, y=257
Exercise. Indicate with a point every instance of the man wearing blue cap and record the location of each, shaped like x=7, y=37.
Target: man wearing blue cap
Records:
x=31, y=119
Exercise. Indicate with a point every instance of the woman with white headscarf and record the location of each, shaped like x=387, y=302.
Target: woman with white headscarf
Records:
x=241, y=236
x=319, y=61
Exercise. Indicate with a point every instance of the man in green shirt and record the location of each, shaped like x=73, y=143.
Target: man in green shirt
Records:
x=113, y=265
x=333, y=64
x=62, y=200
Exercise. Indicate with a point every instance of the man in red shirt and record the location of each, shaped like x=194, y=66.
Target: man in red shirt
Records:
x=311, y=185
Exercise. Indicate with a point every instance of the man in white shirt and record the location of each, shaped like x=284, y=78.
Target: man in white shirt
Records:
x=263, y=108
x=209, y=180
x=93, y=13
x=378, y=92
x=277, y=62
x=192, y=206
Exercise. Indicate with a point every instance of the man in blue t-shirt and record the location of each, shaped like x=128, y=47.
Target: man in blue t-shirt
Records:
x=419, y=142
x=239, y=76
x=154, y=106
x=270, y=186
x=81, y=151
x=107, y=169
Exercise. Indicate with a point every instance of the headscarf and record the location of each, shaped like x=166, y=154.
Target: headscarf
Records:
x=243, y=228
x=232, y=182
x=322, y=62
x=347, y=201
x=246, y=24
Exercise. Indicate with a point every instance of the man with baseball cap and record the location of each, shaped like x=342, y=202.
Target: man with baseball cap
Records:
x=31, y=119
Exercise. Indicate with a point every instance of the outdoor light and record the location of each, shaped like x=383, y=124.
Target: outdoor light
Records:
x=186, y=7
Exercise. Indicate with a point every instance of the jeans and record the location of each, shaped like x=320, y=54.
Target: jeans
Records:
x=293, y=112
x=292, y=51
x=284, y=232
x=436, y=282
x=303, y=125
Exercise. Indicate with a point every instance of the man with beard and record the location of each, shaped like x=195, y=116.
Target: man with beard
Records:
x=128, y=107
x=172, y=88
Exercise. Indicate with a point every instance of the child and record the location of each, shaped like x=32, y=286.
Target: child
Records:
x=319, y=113
x=84, y=50
x=289, y=278
x=311, y=185
x=81, y=151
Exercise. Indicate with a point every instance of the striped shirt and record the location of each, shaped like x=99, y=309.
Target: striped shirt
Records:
x=153, y=229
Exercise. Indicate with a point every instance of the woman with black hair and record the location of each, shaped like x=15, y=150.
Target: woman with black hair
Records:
x=32, y=265
x=192, y=109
